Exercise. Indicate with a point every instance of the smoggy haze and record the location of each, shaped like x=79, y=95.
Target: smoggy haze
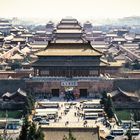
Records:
x=76, y=8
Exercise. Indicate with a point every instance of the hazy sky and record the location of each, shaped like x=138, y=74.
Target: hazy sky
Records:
x=76, y=8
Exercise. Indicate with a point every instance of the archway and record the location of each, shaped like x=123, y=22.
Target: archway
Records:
x=83, y=92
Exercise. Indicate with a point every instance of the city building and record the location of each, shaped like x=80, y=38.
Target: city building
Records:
x=122, y=96
x=69, y=54
x=18, y=96
x=5, y=26
x=67, y=64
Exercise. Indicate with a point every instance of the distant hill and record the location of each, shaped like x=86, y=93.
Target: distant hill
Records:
x=130, y=21
x=134, y=20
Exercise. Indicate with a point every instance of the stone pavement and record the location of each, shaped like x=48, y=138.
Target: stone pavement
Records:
x=74, y=120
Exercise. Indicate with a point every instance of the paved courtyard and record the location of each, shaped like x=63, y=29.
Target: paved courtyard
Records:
x=73, y=118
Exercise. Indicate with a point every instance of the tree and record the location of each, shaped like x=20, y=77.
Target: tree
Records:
x=29, y=104
x=29, y=130
x=31, y=99
x=104, y=97
x=128, y=134
x=1, y=138
x=39, y=134
x=110, y=113
x=109, y=101
x=27, y=107
x=32, y=132
x=136, y=115
x=108, y=104
x=70, y=137
x=136, y=64
x=24, y=131
x=104, y=94
x=110, y=107
x=15, y=65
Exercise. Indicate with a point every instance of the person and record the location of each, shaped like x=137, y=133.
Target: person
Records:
x=78, y=114
x=66, y=123
x=78, y=119
x=85, y=123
